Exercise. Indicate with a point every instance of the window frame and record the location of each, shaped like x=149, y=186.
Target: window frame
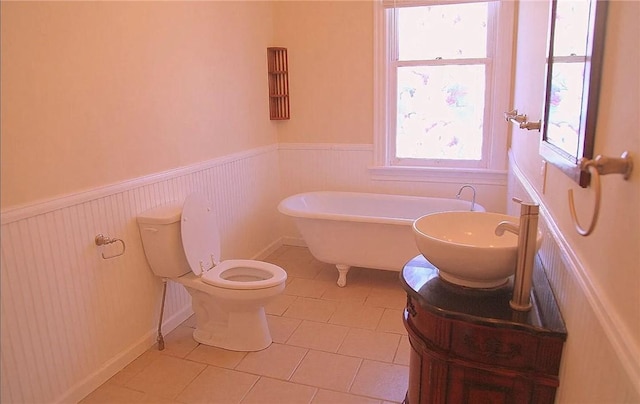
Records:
x=493, y=163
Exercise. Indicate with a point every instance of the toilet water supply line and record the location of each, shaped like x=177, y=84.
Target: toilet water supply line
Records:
x=101, y=240
x=160, y=339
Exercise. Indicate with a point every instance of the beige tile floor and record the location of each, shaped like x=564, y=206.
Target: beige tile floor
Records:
x=330, y=345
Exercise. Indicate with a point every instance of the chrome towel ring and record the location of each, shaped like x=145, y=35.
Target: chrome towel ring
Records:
x=601, y=166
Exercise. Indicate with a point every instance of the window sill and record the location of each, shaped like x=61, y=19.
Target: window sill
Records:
x=441, y=175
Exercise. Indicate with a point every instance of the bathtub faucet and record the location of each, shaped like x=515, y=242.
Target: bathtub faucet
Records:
x=473, y=199
x=527, y=232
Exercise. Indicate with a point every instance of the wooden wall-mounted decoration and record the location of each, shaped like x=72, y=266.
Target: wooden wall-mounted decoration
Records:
x=278, y=66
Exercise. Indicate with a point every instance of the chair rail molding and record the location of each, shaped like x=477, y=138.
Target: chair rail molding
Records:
x=558, y=252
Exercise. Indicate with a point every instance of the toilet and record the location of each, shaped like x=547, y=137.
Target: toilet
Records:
x=182, y=244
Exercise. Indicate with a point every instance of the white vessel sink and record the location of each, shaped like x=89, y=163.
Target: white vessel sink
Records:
x=466, y=250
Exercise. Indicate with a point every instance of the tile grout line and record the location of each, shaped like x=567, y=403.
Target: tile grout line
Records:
x=298, y=365
x=246, y=393
x=377, y=285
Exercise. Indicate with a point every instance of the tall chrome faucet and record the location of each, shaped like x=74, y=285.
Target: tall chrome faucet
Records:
x=527, y=232
x=473, y=199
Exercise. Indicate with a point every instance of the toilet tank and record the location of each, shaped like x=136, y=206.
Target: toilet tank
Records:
x=162, y=241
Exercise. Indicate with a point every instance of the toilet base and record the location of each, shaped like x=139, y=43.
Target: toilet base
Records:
x=243, y=331
x=230, y=319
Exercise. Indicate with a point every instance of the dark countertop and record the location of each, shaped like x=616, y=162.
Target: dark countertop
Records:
x=488, y=307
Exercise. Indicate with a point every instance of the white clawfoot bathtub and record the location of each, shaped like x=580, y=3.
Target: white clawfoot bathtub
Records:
x=360, y=229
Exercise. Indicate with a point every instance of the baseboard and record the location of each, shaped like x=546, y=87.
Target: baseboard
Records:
x=293, y=241
x=96, y=379
x=270, y=249
x=116, y=364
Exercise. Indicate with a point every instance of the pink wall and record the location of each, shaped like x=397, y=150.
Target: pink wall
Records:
x=611, y=254
x=95, y=93
x=98, y=92
x=330, y=57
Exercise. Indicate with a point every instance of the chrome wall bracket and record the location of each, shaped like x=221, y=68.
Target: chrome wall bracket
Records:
x=101, y=240
x=601, y=165
x=612, y=165
x=522, y=120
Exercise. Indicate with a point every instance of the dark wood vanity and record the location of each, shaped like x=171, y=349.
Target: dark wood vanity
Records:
x=469, y=346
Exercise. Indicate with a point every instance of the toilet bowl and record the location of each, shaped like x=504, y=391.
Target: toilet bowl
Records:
x=181, y=243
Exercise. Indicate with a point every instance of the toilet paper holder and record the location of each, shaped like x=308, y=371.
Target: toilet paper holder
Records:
x=101, y=240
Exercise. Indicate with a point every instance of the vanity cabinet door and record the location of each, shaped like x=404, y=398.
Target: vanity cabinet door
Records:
x=469, y=347
x=490, y=346
x=481, y=364
x=427, y=372
x=415, y=376
x=469, y=385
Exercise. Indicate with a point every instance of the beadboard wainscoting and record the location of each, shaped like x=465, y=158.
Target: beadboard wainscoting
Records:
x=349, y=167
x=71, y=319
x=306, y=167
x=599, y=361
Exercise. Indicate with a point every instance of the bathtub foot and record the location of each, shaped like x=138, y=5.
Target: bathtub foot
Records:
x=342, y=274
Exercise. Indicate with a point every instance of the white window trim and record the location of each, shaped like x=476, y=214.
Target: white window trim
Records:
x=496, y=159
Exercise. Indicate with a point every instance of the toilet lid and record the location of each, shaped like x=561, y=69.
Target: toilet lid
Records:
x=200, y=237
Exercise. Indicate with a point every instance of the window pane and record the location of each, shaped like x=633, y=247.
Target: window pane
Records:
x=440, y=112
x=565, y=106
x=572, y=23
x=449, y=32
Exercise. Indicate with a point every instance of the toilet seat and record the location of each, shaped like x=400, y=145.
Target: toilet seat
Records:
x=201, y=244
x=235, y=274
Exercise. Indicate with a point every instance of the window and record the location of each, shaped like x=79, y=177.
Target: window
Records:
x=442, y=84
x=567, y=81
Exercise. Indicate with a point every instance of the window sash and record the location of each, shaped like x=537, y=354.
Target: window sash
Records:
x=441, y=62
x=389, y=4
x=495, y=172
x=392, y=121
x=393, y=63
